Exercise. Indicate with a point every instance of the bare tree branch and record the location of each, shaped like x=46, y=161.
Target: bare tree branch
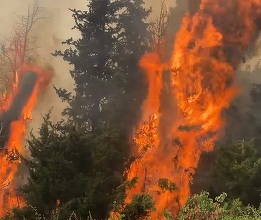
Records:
x=18, y=48
x=160, y=27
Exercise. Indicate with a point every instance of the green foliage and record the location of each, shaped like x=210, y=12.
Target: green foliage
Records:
x=79, y=168
x=200, y=206
x=32, y=214
x=108, y=82
x=120, y=193
x=140, y=207
x=167, y=215
x=165, y=184
x=80, y=162
x=237, y=171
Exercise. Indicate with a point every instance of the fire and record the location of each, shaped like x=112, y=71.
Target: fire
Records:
x=208, y=48
x=147, y=136
x=9, y=154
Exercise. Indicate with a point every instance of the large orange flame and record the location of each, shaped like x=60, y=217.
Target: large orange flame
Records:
x=147, y=136
x=207, y=50
x=9, y=155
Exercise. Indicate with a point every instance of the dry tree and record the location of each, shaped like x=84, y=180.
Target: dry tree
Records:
x=160, y=27
x=19, y=47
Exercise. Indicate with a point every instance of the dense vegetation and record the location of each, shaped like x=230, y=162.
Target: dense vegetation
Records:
x=76, y=165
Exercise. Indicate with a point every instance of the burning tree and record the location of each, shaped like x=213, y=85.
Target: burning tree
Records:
x=91, y=148
x=16, y=51
x=206, y=53
x=20, y=85
x=80, y=161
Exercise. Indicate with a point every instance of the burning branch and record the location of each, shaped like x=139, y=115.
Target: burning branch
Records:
x=146, y=135
x=13, y=155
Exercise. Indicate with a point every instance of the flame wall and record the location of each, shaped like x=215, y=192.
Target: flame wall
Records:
x=207, y=50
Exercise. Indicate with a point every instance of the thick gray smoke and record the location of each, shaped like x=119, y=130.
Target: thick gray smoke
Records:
x=249, y=73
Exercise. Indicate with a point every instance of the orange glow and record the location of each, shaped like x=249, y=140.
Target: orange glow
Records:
x=9, y=159
x=208, y=47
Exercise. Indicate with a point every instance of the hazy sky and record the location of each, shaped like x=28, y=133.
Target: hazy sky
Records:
x=50, y=32
x=10, y=8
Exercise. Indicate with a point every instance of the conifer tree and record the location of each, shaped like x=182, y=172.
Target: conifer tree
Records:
x=80, y=162
x=114, y=34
